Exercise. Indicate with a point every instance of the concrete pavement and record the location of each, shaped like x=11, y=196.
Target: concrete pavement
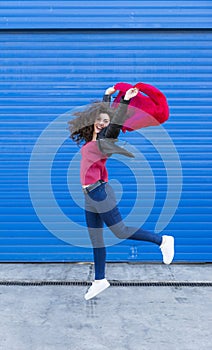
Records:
x=56, y=317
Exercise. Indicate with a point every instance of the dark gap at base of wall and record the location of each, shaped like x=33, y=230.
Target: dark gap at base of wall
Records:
x=114, y=283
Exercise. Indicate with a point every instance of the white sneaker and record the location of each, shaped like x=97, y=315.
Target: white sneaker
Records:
x=97, y=287
x=167, y=249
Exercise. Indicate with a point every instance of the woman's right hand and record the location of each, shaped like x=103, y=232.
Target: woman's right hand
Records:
x=110, y=90
x=132, y=92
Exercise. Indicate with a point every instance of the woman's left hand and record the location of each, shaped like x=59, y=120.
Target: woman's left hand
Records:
x=131, y=93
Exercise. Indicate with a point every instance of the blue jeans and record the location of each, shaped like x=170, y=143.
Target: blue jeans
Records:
x=100, y=208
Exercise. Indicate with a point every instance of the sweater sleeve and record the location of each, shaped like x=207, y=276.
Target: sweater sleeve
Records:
x=106, y=98
x=118, y=120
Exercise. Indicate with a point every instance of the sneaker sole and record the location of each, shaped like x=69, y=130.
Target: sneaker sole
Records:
x=98, y=292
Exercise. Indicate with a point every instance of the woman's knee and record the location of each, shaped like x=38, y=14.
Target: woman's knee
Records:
x=120, y=231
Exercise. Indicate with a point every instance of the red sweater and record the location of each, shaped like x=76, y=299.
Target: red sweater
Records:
x=92, y=166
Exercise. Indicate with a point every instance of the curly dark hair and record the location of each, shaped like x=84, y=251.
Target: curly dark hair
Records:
x=82, y=127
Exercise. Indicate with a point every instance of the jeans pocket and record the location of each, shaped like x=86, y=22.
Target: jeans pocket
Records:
x=98, y=194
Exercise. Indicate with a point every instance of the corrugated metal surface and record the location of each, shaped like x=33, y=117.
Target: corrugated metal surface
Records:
x=105, y=14
x=44, y=74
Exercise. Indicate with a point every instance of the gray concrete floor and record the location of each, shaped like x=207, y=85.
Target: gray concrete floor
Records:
x=121, y=318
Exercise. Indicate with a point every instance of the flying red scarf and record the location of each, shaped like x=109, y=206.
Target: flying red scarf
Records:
x=144, y=110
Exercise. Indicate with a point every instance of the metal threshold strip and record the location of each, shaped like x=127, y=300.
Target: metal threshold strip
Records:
x=115, y=283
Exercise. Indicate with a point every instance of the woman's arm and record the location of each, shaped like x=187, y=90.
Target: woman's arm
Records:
x=120, y=116
x=108, y=93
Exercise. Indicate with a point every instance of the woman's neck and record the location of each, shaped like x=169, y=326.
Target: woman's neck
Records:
x=94, y=136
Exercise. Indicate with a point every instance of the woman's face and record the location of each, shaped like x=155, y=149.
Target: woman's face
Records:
x=101, y=122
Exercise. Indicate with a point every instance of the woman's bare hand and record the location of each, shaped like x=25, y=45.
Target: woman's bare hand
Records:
x=110, y=90
x=131, y=93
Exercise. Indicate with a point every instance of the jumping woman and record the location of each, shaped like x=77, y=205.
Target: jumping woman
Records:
x=98, y=128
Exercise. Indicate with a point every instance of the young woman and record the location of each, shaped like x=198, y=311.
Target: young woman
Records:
x=98, y=127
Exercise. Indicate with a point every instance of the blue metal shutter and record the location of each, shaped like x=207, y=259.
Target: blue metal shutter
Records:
x=68, y=14
x=45, y=74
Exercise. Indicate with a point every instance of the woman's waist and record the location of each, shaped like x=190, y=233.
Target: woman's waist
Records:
x=91, y=187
